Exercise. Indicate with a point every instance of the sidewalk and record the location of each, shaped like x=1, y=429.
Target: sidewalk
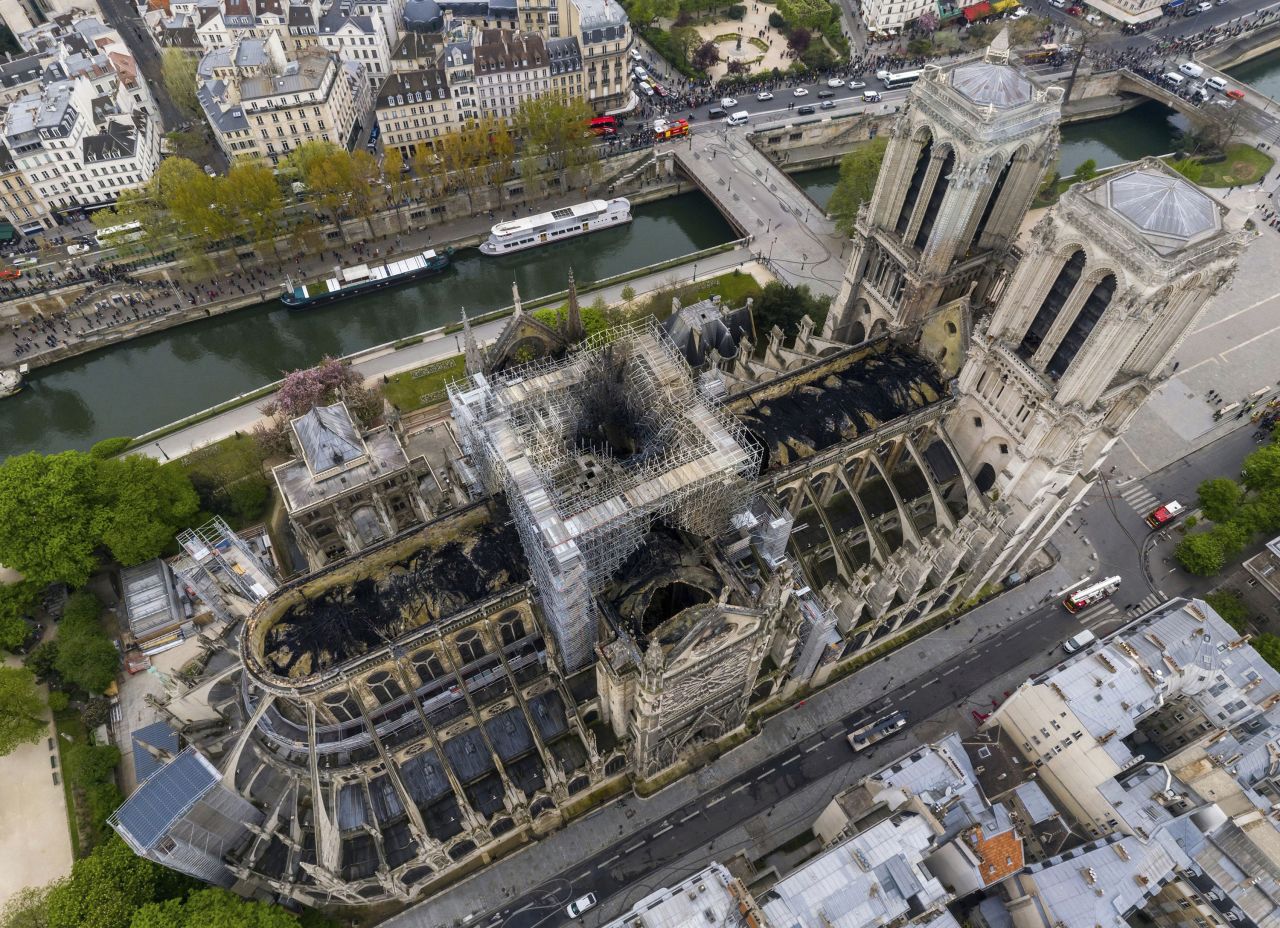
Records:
x=587, y=838
x=386, y=361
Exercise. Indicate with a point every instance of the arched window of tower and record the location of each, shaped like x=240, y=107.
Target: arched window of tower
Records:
x=939, y=193
x=913, y=188
x=1052, y=304
x=992, y=200
x=1086, y=319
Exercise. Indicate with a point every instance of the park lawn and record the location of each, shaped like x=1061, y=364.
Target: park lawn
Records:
x=405, y=391
x=222, y=473
x=234, y=456
x=1244, y=164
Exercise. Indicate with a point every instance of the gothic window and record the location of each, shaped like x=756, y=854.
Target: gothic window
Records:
x=384, y=687
x=1052, y=304
x=512, y=631
x=1085, y=320
x=991, y=204
x=940, y=185
x=342, y=706
x=913, y=188
x=470, y=647
x=428, y=666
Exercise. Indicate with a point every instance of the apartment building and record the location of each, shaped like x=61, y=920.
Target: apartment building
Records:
x=890, y=17
x=357, y=38
x=23, y=207
x=261, y=104
x=415, y=107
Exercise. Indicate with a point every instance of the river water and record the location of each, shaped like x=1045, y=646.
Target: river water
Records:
x=145, y=383
x=142, y=384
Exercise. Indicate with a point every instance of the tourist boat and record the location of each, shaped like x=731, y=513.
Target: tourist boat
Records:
x=365, y=278
x=545, y=228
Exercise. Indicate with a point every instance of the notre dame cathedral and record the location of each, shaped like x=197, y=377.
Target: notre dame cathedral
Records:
x=583, y=568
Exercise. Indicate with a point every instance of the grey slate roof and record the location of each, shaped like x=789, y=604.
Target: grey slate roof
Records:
x=158, y=803
x=328, y=438
x=990, y=84
x=1162, y=203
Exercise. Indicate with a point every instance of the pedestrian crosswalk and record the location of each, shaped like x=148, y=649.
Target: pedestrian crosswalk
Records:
x=1140, y=499
x=1104, y=611
x=1148, y=603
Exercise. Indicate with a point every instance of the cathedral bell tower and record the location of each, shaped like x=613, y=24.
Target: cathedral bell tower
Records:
x=1113, y=279
x=963, y=163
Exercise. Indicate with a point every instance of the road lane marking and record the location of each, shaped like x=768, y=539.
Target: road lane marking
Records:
x=812, y=748
x=714, y=801
x=609, y=862
x=766, y=773
x=635, y=847
x=663, y=831
x=947, y=673
x=790, y=761
x=737, y=789
x=693, y=814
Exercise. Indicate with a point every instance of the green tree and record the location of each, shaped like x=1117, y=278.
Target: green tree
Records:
x=17, y=600
x=1261, y=471
x=86, y=657
x=110, y=447
x=178, y=74
x=253, y=194
x=1229, y=605
x=1268, y=646
x=1201, y=554
x=27, y=908
x=813, y=14
x=143, y=506
x=106, y=888
x=552, y=128
x=1086, y=170
x=47, y=507
x=327, y=171
x=213, y=908
x=1231, y=536
x=1219, y=498
x=43, y=661
x=785, y=306
x=859, y=171
x=21, y=709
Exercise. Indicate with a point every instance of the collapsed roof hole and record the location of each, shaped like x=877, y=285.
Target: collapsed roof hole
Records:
x=668, y=600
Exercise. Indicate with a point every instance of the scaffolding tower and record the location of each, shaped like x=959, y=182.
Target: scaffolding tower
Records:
x=219, y=562
x=590, y=450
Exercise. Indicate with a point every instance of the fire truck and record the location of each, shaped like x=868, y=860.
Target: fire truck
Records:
x=1162, y=514
x=1089, y=595
x=664, y=129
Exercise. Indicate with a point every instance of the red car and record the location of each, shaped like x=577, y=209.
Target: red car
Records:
x=1235, y=94
x=10, y=273
x=1075, y=10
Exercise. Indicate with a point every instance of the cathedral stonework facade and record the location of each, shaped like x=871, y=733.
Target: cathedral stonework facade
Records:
x=585, y=570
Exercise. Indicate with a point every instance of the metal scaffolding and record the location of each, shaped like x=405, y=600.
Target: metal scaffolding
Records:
x=590, y=450
x=219, y=561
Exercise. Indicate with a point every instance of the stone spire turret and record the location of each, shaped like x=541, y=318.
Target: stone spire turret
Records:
x=998, y=51
x=515, y=300
x=472, y=352
x=573, y=330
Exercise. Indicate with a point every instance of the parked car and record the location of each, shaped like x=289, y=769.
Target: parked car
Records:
x=1204, y=6
x=77, y=249
x=1058, y=4
x=1077, y=642
x=1018, y=13
x=764, y=95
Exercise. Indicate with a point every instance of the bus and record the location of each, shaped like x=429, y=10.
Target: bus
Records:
x=1089, y=595
x=118, y=235
x=603, y=125
x=893, y=80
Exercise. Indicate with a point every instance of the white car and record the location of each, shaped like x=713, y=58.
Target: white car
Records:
x=1058, y=3
x=828, y=104
x=1204, y=7
x=728, y=102
x=835, y=82
x=800, y=92
x=857, y=85
x=764, y=95
x=1018, y=13
x=578, y=906
x=77, y=249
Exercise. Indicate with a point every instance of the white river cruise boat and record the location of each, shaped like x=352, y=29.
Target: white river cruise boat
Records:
x=545, y=228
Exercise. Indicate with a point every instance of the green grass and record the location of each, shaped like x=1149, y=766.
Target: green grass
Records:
x=68, y=722
x=228, y=476
x=405, y=390
x=1244, y=164
x=230, y=458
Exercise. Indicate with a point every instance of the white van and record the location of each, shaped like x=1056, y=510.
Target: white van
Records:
x=1174, y=80
x=739, y=118
x=1215, y=83
x=1079, y=642
x=1190, y=69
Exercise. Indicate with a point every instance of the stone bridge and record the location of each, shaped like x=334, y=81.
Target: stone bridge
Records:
x=789, y=232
